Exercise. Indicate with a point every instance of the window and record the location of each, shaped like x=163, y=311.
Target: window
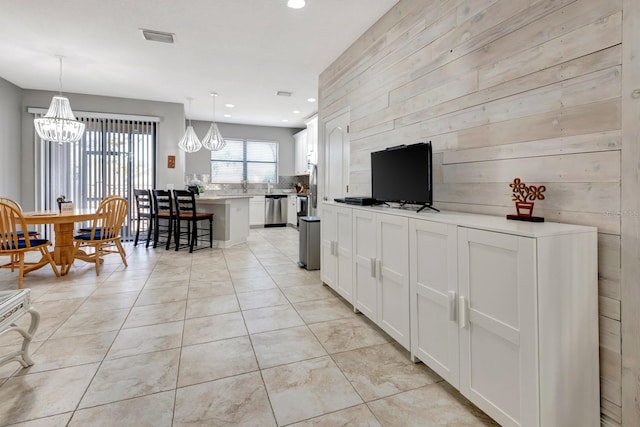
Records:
x=254, y=161
x=114, y=156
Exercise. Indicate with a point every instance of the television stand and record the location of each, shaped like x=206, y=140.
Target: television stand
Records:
x=427, y=206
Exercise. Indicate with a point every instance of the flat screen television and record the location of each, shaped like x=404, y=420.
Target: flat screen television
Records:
x=403, y=174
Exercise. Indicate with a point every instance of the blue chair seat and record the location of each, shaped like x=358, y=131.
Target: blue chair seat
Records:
x=20, y=233
x=87, y=236
x=34, y=242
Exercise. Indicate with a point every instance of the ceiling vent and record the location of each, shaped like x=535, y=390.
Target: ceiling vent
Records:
x=283, y=93
x=157, y=36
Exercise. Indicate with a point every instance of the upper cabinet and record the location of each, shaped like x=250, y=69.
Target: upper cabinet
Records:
x=301, y=165
x=306, y=147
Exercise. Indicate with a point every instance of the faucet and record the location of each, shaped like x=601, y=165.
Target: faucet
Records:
x=244, y=185
x=268, y=186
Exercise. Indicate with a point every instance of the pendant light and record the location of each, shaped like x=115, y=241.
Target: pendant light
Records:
x=213, y=140
x=190, y=142
x=59, y=124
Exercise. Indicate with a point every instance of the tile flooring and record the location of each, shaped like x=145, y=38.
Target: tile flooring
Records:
x=239, y=336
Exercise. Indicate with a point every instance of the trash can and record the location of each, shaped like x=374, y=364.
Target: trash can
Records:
x=309, y=242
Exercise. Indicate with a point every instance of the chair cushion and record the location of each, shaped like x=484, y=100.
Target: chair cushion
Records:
x=30, y=232
x=34, y=242
x=87, y=236
x=88, y=229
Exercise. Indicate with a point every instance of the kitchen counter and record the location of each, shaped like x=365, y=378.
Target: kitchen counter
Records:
x=230, y=219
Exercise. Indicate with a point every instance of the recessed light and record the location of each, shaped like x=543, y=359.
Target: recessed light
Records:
x=296, y=111
x=311, y=100
x=229, y=105
x=227, y=115
x=285, y=120
x=295, y=4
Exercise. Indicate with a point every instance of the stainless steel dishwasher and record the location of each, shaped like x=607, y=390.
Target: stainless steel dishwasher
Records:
x=275, y=210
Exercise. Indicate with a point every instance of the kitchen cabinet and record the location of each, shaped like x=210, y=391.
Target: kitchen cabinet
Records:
x=301, y=163
x=312, y=140
x=336, y=249
x=381, y=271
x=256, y=211
x=292, y=211
x=433, y=272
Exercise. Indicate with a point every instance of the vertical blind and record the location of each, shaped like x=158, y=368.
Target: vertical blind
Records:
x=114, y=156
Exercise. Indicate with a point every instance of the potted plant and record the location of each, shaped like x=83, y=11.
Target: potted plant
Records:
x=524, y=196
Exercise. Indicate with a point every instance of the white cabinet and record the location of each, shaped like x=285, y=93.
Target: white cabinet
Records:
x=336, y=249
x=528, y=327
x=433, y=260
x=301, y=163
x=256, y=211
x=292, y=211
x=312, y=139
x=381, y=271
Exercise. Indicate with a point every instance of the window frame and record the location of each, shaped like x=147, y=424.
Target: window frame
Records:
x=245, y=162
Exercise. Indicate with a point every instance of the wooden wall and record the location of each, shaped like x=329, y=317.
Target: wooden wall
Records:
x=503, y=88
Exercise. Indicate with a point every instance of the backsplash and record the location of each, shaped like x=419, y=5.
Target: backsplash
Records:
x=284, y=182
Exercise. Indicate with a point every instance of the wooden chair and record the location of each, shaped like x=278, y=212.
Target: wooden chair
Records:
x=105, y=199
x=105, y=232
x=186, y=212
x=144, y=212
x=11, y=244
x=11, y=202
x=163, y=210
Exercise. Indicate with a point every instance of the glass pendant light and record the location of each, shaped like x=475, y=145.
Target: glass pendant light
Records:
x=213, y=140
x=190, y=142
x=59, y=124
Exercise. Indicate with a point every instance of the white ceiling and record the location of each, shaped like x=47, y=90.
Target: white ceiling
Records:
x=245, y=50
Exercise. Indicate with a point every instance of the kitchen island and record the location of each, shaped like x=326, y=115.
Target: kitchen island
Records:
x=230, y=219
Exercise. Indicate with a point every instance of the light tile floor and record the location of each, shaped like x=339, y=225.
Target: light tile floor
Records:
x=239, y=336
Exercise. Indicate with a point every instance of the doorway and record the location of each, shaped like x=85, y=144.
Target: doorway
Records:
x=337, y=148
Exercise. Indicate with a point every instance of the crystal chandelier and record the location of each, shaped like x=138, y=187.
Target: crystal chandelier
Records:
x=213, y=140
x=190, y=142
x=59, y=124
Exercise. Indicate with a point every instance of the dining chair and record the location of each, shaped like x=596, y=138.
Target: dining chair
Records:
x=105, y=199
x=186, y=213
x=144, y=212
x=11, y=202
x=11, y=223
x=105, y=233
x=163, y=216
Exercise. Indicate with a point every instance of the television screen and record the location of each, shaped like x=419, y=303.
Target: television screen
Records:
x=402, y=174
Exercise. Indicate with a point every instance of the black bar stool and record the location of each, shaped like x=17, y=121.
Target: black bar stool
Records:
x=185, y=202
x=162, y=211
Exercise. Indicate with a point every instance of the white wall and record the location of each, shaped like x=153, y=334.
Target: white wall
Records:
x=170, y=130
x=10, y=99
x=198, y=162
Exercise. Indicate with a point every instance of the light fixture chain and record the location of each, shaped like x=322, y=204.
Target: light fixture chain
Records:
x=60, y=75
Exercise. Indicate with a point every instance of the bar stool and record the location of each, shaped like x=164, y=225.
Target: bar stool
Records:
x=162, y=211
x=144, y=212
x=185, y=202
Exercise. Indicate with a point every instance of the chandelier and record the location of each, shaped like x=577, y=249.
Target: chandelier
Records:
x=213, y=140
x=59, y=124
x=190, y=142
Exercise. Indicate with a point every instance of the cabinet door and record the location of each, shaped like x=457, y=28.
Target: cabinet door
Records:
x=498, y=306
x=344, y=285
x=256, y=210
x=328, y=252
x=433, y=273
x=365, y=263
x=300, y=149
x=292, y=212
x=393, y=277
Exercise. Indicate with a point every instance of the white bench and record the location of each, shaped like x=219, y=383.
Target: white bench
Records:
x=13, y=305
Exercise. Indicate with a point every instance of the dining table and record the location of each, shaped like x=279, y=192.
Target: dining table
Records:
x=63, y=228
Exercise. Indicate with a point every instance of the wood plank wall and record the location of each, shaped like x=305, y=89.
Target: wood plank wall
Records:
x=503, y=88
